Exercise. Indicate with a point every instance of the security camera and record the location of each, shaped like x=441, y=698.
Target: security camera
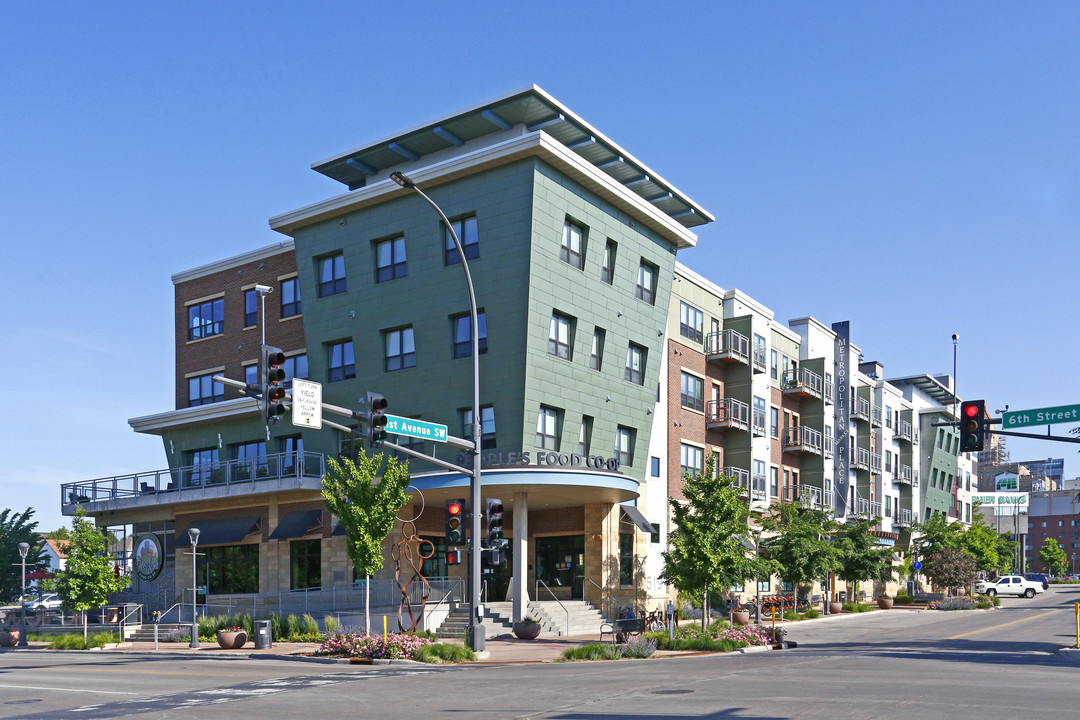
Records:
x=264, y=289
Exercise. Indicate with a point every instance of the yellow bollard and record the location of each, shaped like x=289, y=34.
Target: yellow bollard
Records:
x=384, y=629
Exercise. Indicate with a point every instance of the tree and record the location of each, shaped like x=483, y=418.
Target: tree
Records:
x=950, y=568
x=981, y=542
x=938, y=534
x=860, y=556
x=800, y=543
x=1053, y=557
x=15, y=529
x=367, y=509
x=706, y=548
x=90, y=574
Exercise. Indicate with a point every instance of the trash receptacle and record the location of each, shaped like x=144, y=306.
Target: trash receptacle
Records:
x=263, y=635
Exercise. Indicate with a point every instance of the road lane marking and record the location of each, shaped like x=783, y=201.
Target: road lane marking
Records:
x=60, y=689
x=995, y=627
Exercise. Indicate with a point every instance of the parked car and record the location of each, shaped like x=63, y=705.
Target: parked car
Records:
x=1038, y=577
x=48, y=601
x=1010, y=585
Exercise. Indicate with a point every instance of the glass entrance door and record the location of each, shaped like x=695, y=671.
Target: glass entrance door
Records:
x=560, y=563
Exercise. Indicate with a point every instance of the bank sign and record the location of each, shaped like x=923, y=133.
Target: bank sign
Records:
x=1005, y=503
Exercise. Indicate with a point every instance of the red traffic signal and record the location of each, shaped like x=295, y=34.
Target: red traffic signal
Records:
x=455, y=522
x=972, y=425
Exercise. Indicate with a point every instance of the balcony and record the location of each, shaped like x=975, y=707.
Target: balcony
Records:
x=759, y=422
x=828, y=394
x=862, y=508
x=827, y=447
x=861, y=461
x=759, y=358
x=267, y=473
x=809, y=496
x=753, y=485
x=742, y=477
x=903, y=431
x=875, y=509
x=727, y=346
x=902, y=518
x=860, y=408
x=727, y=414
x=875, y=416
x=904, y=474
x=802, y=439
x=875, y=462
x=802, y=383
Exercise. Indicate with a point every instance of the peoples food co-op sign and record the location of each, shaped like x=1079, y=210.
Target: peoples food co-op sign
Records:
x=1002, y=501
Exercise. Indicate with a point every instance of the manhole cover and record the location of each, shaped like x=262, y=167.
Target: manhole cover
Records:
x=671, y=692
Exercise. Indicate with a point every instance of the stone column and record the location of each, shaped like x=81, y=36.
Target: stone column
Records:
x=519, y=544
x=601, y=552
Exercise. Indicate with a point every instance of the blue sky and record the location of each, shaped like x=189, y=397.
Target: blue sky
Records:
x=865, y=162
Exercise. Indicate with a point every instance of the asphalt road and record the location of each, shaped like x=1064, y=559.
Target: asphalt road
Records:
x=898, y=664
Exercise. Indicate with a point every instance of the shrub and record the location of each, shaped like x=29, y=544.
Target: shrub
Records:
x=277, y=630
x=904, y=599
x=951, y=604
x=331, y=622
x=292, y=626
x=310, y=626
x=355, y=644
x=74, y=641
x=857, y=607
x=592, y=651
x=811, y=613
x=643, y=647
x=438, y=653
x=176, y=635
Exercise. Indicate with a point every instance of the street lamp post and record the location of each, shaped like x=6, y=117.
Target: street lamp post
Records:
x=757, y=578
x=23, y=549
x=476, y=625
x=193, y=534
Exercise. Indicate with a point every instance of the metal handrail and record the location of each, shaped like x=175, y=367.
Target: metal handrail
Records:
x=427, y=618
x=540, y=582
x=605, y=594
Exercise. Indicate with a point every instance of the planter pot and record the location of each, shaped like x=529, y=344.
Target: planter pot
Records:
x=740, y=617
x=526, y=631
x=836, y=608
x=9, y=638
x=885, y=603
x=231, y=640
x=961, y=592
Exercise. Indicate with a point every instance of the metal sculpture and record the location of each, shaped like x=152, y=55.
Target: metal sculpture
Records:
x=411, y=547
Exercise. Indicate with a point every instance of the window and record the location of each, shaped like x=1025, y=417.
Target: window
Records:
x=231, y=568
x=251, y=308
x=547, y=429
x=596, y=354
x=204, y=465
x=390, y=262
x=573, y=245
x=635, y=364
x=691, y=460
x=290, y=297
x=646, y=283
x=585, y=435
x=470, y=241
x=888, y=506
x=559, y=336
x=400, y=349
x=206, y=319
x=296, y=366
x=624, y=445
x=487, y=426
x=626, y=559
x=202, y=390
x=462, y=325
x=693, y=392
x=773, y=372
x=250, y=460
x=774, y=422
x=774, y=481
x=888, y=416
x=293, y=448
x=331, y=275
x=691, y=322
x=607, y=270
x=654, y=466
x=888, y=461
x=341, y=364
x=305, y=564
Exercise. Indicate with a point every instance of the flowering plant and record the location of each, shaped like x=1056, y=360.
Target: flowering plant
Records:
x=355, y=644
x=234, y=628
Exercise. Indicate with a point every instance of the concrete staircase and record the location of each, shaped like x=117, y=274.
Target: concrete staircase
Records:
x=145, y=633
x=578, y=618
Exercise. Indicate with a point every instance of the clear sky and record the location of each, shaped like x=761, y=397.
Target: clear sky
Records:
x=871, y=162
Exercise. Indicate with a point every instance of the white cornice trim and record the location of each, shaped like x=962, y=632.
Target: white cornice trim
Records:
x=233, y=262
x=174, y=419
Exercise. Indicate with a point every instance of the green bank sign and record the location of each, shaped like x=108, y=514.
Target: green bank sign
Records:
x=1041, y=416
x=1001, y=500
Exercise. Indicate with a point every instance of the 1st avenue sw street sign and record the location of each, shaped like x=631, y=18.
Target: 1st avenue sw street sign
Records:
x=397, y=425
x=1041, y=416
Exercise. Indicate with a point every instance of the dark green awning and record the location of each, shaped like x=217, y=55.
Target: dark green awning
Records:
x=297, y=523
x=220, y=531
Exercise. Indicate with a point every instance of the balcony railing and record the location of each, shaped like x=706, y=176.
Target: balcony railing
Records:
x=875, y=416
x=727, y=413
x=759, y=422
x=902, y=517
x=227, y=473
x=828, y=393
x=802, y=438
x=827, y=447
x=802, y=383
x=875, y=509
x=860, y=408
x=742, y=477
x=861, y=461
x=809, y=496
x=752, y=484
x=759, y=358
x=875, y=462
x=903, y=475
x=727, y=346
x=862, y=507
x=903, y=431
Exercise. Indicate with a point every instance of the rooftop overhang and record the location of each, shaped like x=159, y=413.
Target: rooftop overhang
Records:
x=160, y=423
x=547, y=489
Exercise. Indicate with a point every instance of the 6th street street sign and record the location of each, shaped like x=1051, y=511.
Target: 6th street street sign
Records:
x=397, y=425
x=1041, y=416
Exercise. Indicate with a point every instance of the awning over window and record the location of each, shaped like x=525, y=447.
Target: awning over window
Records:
x=634, y=515
x=220, y=531
x=297, y=523
x=339, y=530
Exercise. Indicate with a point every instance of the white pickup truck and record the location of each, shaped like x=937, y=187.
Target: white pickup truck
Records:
x=1009, y=585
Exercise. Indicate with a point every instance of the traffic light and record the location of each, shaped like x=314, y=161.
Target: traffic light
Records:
x=494, y=516
x=453, y=557
x=455, y=522
x=972, y=425
x=376, y=419
x=273, y=390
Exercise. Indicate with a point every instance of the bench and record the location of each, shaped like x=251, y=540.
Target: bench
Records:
x=622, y=630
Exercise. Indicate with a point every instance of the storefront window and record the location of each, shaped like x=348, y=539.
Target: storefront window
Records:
x=232, y=568
x=305, y=564
x=626, y=559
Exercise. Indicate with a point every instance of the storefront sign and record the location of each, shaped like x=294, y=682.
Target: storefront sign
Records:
x=1004, y=503
x=149, y=558
x=842, y=416
x=551, y=459
x=1006, y=482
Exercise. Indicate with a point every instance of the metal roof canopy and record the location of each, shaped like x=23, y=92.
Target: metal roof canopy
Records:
x=220, y=531
x=635, y=516
x=535, y=110
x=297, y=523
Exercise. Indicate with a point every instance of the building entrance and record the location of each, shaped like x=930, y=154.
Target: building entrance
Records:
x=560, y=563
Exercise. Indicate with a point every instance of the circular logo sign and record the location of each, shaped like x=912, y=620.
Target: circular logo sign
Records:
x=149, y=557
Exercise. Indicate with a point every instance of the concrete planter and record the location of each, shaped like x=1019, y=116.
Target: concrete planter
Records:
x=885, y=603
x=526, y=630
x=836, y=608
x=231, y=640
x=9, y=638
x=740, y=617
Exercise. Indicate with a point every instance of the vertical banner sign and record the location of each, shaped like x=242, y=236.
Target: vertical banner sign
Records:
x=842, y=409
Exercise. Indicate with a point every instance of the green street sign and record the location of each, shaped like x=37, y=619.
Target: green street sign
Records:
x=397, y=425
x=1041, y=416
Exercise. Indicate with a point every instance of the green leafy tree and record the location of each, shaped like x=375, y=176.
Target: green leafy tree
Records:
x=980, y=541
x=799, y=543
x=950, y=568
x=938, y=534
x=17, y=528
x=706, y=546
x=1053, y=557
x=860, y=556
x=366, y=506
x=1006, y=550
x=89, y=576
